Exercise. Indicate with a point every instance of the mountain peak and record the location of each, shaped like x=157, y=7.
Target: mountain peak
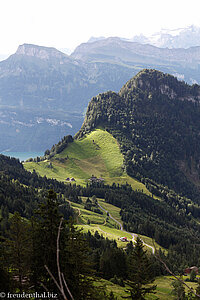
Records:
x=155, y=119
x=153, y=81
x=172, y=38
x=148, y=86
x=39, y=51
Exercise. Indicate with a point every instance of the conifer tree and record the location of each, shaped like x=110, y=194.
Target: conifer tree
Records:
x=140, y=272
x=73, y=252
x=44, y=235
x=5, y=282
x=18, y=245
x=76, y=265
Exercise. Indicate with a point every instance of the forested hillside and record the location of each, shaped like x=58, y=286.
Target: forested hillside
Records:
x=155, y=119
x=172, y=222
x=22, y=191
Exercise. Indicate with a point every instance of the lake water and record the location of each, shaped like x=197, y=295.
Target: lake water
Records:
x=23, y=155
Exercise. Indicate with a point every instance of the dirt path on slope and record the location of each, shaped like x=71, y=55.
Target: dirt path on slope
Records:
x=134, y=235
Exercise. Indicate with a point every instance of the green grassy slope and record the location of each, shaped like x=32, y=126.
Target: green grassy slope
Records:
x=163, y=290
x=96, y=154
x=105, y=226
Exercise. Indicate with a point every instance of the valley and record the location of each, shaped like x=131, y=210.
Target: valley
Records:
x=28, y=125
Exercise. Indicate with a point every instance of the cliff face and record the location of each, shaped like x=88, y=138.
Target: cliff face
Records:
x=40, y=52
x=156, y=121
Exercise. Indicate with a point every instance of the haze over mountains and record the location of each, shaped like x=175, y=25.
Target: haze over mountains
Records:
x=44, y=93
x=175, y=38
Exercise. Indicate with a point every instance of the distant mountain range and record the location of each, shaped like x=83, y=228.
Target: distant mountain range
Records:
x=183, y=63
x=176, y=38
x=166, y=38
x=44, y=93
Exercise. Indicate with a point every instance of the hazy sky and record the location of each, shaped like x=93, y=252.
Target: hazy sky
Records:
x=67, y=23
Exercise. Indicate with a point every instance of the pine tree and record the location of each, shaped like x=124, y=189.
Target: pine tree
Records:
x=73, y=252
x=18, y=245
x=44, y=236
x=5, y=282
x=76, y=265
x=140, y=272
x=193, y=276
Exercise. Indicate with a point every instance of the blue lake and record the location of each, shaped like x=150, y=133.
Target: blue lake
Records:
x=23, y=155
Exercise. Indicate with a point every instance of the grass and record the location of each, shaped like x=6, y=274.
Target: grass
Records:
x=106, y=232
x=88, y=220
x=151, y=242
x=96, y=154
x=83, y=215
x=163, y=290
x=108, y=286
x=98, y=222
x=114, y=210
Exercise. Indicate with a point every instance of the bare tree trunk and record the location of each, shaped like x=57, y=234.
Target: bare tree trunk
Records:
x=60, y=275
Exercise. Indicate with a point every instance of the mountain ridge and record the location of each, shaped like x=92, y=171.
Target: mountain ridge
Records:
x=175, y=38
x=184, y=37
x=41, y=52
x=87, y=51
x=41, y=82
x=157, y=129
